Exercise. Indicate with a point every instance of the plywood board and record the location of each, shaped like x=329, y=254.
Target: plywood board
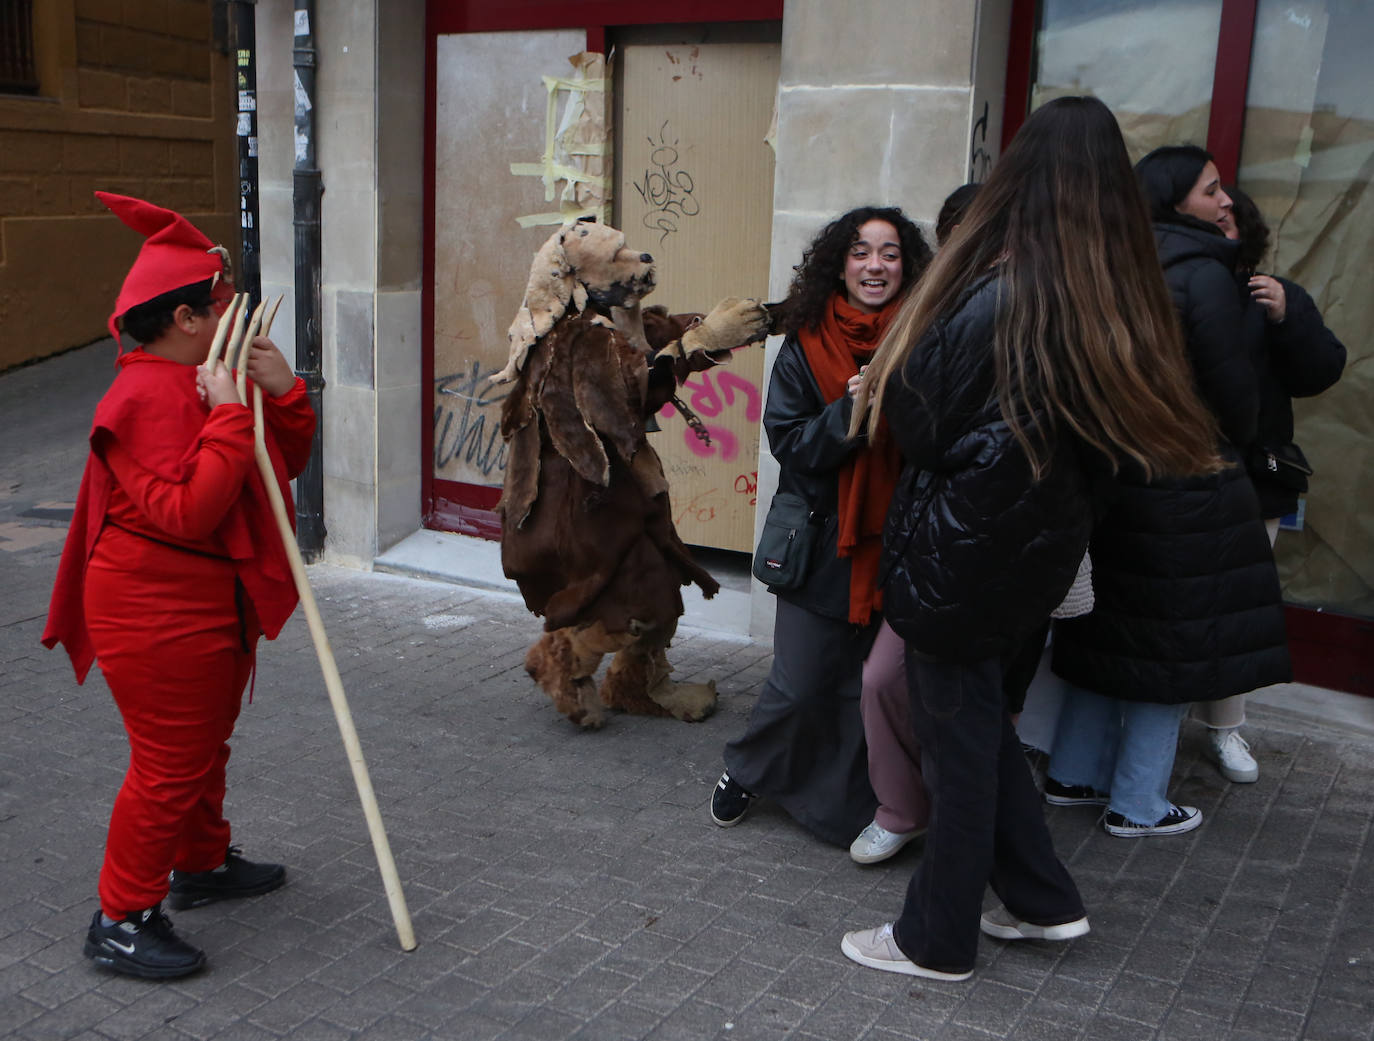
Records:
x=695, y=189
x=491, y=113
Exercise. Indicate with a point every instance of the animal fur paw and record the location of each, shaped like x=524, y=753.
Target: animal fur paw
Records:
x=689, y=702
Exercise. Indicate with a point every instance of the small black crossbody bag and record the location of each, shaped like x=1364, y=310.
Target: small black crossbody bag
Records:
x=790, y=533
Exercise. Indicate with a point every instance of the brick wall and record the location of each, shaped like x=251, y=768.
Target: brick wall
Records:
x=137, y=100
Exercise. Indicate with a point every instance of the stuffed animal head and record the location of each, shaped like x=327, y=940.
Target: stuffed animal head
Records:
x=581, y=261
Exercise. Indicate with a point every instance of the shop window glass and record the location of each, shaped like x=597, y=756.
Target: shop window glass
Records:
x=1307, y=160
x=1150, y=61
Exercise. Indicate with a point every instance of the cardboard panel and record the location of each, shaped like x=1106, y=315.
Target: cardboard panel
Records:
x=695, y=189
x=491, y=113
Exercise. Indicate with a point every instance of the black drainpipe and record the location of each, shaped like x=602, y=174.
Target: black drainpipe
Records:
x=246, y=92
x=305, y=217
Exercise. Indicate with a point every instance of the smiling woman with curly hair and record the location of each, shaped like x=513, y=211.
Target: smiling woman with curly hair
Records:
x=803, y=746
x=822, y=265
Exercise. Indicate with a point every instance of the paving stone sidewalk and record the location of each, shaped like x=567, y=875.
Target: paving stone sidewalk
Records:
x=571, y=885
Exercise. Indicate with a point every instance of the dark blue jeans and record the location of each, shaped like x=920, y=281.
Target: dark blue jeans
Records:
x=987, y=826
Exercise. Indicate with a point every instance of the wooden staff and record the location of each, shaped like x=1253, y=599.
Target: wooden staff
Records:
x=385, y=863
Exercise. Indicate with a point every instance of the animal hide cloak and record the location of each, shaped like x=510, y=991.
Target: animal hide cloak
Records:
x=586, y=525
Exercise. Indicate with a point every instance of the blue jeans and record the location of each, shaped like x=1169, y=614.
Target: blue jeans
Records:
x=1125, y=748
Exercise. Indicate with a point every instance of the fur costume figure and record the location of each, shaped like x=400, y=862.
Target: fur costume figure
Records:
x=586, y=527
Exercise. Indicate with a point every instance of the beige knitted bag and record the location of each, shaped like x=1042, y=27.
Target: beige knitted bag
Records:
x=1079, y=599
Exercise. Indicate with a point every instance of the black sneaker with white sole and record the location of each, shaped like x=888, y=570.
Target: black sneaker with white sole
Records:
x=234, y=879
x=1057, y=794
x=1178, y=820
x=729, y=802
x=142, y=945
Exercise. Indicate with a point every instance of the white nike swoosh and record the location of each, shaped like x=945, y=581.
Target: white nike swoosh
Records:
x=127, y=948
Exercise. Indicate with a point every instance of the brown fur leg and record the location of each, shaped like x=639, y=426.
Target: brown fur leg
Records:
x=638, y=682
x=626, y=685
x=566, y=677
x=689, y=702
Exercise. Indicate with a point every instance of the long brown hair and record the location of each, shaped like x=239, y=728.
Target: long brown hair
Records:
x=1086, y=333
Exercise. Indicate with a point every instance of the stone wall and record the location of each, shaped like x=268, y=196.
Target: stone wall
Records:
x=134, y=98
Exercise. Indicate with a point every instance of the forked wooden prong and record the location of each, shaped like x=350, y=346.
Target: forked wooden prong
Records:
x=231, y=345
x=222, y=329
x=247, y=342
x=271, y=314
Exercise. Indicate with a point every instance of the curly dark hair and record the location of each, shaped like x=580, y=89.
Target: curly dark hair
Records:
x=1252, y=229
x=822, y=265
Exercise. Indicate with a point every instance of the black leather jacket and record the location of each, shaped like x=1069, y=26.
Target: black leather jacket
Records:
x=809, y=440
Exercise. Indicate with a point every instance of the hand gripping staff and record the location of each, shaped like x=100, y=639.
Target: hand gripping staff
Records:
x=235, y=347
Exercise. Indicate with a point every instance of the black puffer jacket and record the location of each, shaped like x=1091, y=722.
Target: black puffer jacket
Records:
x=1302, y=357
x=976, y=553
x=1187, y=596
x=1199, y=267
x=808, y=439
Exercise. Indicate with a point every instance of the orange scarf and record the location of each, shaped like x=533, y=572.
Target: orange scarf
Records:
x=846, y=339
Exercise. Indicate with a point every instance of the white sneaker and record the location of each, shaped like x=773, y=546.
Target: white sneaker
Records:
x=878, y=950
x=876, y=843
x=1004, y=925
x=1232, y=755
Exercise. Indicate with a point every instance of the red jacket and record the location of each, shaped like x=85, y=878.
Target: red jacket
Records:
x=177, y=458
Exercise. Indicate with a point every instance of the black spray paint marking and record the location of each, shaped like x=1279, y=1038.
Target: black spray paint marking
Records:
x=666, y=188
x=464, y=421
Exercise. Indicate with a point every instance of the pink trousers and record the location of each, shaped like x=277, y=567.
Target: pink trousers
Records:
x=894, y=758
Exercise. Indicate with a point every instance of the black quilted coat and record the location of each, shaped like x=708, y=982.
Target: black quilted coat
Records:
x=1187, y=596
x=976, y=553
x=1302, y=358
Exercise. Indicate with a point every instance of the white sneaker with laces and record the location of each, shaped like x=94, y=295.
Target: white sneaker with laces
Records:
x=1232, y=755
x=878, y=950
x=876, y=843
x=1004, y=925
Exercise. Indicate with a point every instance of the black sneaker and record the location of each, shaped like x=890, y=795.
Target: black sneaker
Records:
x=143, y=945
x=234, y=879
x=1057, y=794
x=1178, y=820
x=729, y=802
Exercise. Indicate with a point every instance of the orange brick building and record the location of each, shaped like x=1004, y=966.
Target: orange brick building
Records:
x=130, y=96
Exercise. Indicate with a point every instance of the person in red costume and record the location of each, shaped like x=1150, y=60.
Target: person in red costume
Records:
x=171, y=569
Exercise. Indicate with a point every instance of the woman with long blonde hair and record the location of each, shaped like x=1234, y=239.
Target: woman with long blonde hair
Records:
x=1038, y=354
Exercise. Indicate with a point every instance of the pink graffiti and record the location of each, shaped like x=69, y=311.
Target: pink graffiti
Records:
x=709, y=397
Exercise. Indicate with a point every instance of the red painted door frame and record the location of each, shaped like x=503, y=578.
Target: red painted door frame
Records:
x=454, y=505
x=1328, y=649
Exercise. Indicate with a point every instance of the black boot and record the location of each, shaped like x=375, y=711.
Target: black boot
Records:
x=236, y=878
x=143, y=945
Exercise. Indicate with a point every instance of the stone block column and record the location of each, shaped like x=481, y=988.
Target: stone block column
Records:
x=885, y=102
x=369, y=112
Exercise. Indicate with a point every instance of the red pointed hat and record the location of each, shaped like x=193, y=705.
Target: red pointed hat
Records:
x=175, y=254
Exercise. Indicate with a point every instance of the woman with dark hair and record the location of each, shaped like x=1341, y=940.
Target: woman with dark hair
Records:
x=803, y=746
x=952, y=211
x=1301, y=357
x=1188, y=606
x=1024, y=362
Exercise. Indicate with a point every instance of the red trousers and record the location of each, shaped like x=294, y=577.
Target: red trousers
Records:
x=170, y=641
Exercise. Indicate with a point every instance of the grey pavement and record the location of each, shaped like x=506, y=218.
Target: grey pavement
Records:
x=571, y=885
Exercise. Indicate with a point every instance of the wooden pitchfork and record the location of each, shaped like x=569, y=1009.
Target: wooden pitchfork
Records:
x=235, y=345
